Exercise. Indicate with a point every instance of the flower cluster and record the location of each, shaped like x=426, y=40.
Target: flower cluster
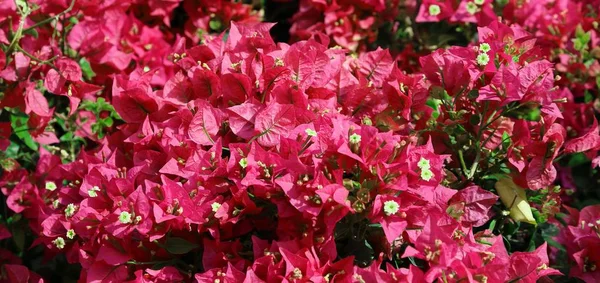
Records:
x=580, y=239
x=141, y=146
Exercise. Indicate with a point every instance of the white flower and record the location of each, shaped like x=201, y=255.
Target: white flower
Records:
x=92, y=192
x=479, y=2
x=125, y=217
x=243, y=162
x=59, y=243
x=484, y=47
x=70, y=210
x=483, y=59
x=279, y=62
x=311, y=132
x=51, y=186
x=471, y=8
x=390, y=207
x=215, y=206
x=426, y=174
x=434, y=10
x=423, y=164
x=355, y=138
x=71, y=234
x=297, y=273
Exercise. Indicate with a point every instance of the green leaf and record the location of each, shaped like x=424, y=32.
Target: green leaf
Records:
x=32, y=32
x=215, y=24
x=18, y=236
x=163, y=264
x=475, y=119
x=493, y=224
x=86, y=69
x=13, y=150
x=179, y=246
x=506, y=140
x=21, y=130
x=67, y=137
x=434, y=104
x=473, y=94
x=578, y=159
x=581, y=40
x=108, y=122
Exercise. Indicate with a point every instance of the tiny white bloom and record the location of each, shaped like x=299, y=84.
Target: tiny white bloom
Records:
x=426, y=174
x=423, y=164
x=434, y=10
x=471, y=8
x=215, y=206
x=484, y=47
x=279, y=62
x=93, y=191
x=59, y=243
x=70, y=210
x=71, y=234
x=51, y=186
x=125, y=217
x=479, y=2
x=138, y=219
x=390, y=207
x=311, y=132
x=243, y=162
x=483, y=59
x=297, y=273
x=55, y=203
x=355, y=138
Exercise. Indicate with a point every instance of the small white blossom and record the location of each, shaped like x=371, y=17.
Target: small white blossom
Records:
x=426, y=174
x=59, y=243
x=311, y=132
x=70, y=210
x=71, y=234
x=125, y=217
x=484, y=47
x=243, y=162
x=390, y=207
x=434, y=10
x=471, y=8
x=215, y=206
x=483, y=59
x=355, y=138
x=423, y=164
x=93, y=191
x=51, y=186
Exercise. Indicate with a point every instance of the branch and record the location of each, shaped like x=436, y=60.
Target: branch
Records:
x=55, y=17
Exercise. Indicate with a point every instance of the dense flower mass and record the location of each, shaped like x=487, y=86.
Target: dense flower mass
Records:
x=385, y=141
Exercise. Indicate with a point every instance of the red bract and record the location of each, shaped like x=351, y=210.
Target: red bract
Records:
x=187, y=155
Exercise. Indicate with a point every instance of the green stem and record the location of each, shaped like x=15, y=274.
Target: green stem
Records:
x=40, y=61
x=17, y=35
x=462, y=162
x=43, y=22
